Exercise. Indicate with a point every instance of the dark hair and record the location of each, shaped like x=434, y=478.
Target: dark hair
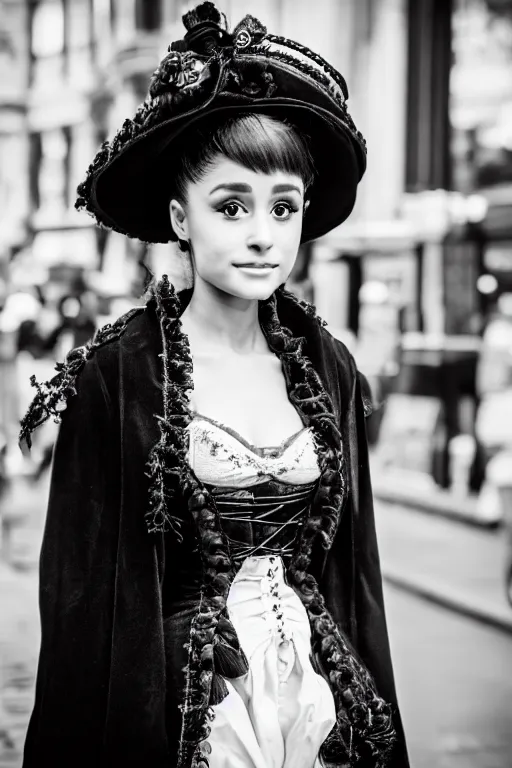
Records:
x=258, y=141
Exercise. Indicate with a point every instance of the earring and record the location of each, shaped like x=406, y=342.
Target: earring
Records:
x=183, y=246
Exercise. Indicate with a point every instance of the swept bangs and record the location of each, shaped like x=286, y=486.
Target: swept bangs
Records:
x=260, y=142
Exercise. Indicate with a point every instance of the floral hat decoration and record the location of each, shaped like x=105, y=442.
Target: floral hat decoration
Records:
x=211, y=71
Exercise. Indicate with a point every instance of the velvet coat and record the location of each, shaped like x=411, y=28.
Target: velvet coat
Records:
x=105, y=677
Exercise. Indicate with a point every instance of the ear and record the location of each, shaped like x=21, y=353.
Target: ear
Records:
x=178, y=217
x=306, y=206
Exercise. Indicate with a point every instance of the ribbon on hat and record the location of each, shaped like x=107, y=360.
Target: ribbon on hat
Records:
x=248, y=32
x=206, y=35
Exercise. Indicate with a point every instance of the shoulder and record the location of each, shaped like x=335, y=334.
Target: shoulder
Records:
x=90, y=371
x=338, y=354
x=132, y=336
x=355, y=381
x=129, y=330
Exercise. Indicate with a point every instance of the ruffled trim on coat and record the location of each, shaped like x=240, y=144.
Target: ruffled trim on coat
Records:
x=167, y=464
x=363, y=734
x=214, y=652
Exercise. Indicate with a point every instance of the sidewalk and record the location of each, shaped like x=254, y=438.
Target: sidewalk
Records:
x=24, y=504
x=19, y=646
x=456, y=566
x=418, y=491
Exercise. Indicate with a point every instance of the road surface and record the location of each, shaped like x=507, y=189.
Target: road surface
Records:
x=454, y=681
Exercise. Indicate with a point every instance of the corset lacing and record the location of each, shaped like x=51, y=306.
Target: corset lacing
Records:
x=259, y=512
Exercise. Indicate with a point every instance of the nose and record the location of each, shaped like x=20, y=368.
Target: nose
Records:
x=260, y=238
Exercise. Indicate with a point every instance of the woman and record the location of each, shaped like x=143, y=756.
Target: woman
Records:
x=242, y=624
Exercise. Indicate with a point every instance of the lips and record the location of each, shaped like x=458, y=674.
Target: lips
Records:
x=256, y=266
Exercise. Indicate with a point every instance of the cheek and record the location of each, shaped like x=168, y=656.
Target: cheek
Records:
x=213, y=241
x=214, y=231
x=287, y=238
x=203, y=230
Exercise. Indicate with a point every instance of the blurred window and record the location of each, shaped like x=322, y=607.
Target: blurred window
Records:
x=50, y=171
x=148, y=16
x=79, y=40
x=48, y=28
x=429, y=59
x=79, y=24
x=47, y=41
x=103, y=17
x=62, y=40
x=35, y=152
x=481, y=94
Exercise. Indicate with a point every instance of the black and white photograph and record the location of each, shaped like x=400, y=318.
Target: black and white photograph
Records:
x=256, y=384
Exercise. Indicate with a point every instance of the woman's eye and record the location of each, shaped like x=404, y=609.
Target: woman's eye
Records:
x=231, y=210
x=284, y=210
x=234, y=210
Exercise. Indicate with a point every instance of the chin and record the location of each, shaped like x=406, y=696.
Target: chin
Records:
x=250, y=288
x=261, y=290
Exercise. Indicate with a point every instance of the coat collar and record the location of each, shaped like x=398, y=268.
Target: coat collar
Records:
x=168, y=468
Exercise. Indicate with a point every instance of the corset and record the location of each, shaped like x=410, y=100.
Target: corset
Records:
x=262, y=494
x=264, y=519
x=263, y=497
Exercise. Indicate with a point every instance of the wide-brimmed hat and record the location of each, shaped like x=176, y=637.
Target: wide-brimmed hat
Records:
x=210, y=72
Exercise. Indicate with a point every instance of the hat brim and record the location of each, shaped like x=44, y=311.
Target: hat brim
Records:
x=131, y=193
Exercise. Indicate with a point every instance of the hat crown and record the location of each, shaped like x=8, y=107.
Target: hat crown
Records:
x=204, y=13
x=206, y=27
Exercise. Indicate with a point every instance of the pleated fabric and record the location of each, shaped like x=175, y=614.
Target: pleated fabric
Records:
x=281, y=711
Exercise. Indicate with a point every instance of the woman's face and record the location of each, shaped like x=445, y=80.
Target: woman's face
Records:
x=236, y=216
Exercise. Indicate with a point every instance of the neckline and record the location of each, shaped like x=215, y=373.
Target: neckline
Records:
x=261, y=451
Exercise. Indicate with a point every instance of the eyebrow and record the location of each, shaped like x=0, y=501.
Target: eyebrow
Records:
x=238, y=187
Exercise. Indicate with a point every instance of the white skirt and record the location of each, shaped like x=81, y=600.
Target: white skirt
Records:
x=281, y=711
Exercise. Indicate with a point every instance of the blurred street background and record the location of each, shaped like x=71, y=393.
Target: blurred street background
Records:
x=417, y=283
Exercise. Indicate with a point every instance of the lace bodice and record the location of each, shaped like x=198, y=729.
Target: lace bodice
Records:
x=222, y=457
x=262, y=494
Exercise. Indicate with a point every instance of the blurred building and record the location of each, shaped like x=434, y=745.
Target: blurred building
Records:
x=88, y=67
x=417, y=271
x=13, y=191
x=409, y=281
x=13, y=137
x=85, y=65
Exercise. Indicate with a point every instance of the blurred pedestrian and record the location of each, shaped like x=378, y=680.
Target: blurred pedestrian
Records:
x=18, y=331
x=77, y=323
x=240, y=621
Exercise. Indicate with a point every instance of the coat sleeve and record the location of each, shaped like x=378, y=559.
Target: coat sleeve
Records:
x=77, y=575
x=351, y=580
